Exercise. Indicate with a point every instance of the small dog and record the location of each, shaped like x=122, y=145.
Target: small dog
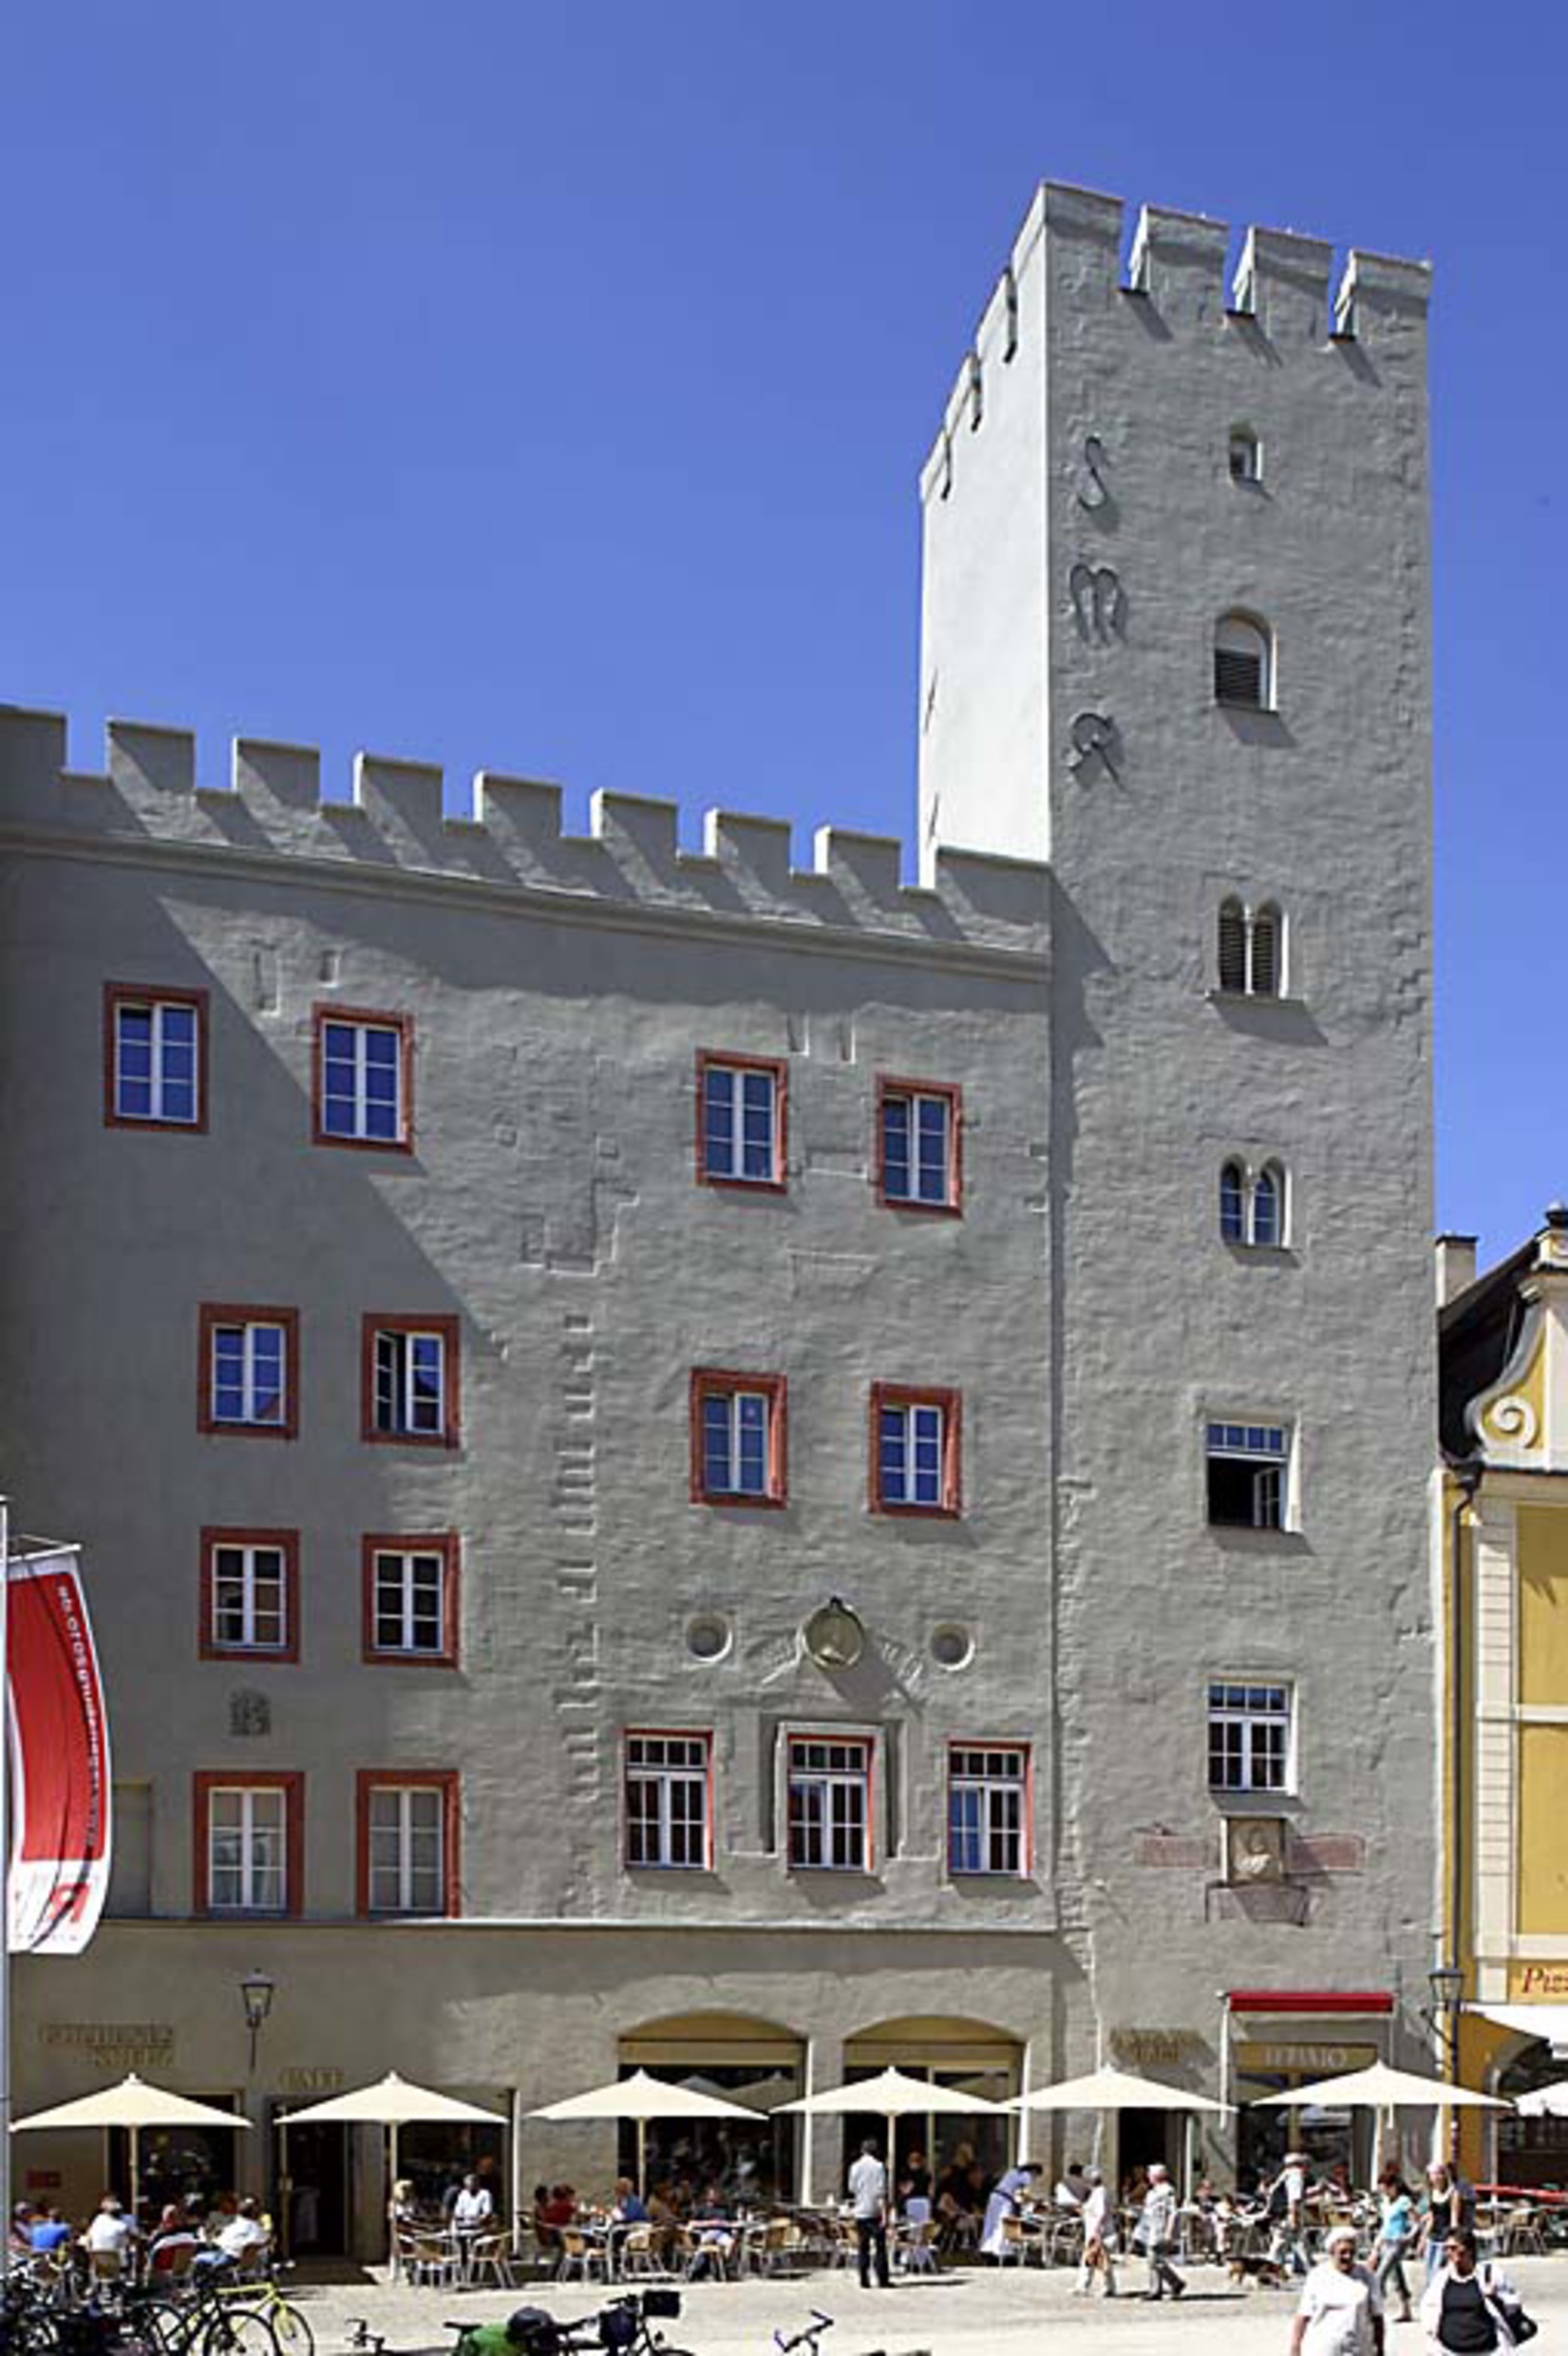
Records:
x=1243, y=2269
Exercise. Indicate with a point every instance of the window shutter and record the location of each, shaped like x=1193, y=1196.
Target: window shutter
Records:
x=1233, y=946
x=1238, y=678
x=1265, y=954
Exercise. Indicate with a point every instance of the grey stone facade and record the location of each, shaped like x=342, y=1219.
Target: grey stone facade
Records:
x=1083, y=1305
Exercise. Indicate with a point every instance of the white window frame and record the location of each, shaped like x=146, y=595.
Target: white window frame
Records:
x=1251, y=1178
x=914, y=1098
x=159, y=1008
x=1244, y=440
x=730, y=1400
x=400, y=1343
x=251, y=1870
x=1248, y=1449
x=739, y=1071
x=249, y=1578
x=249, y=1328
x=403, y=1864
x=662, y=1776
x=832, y=1775
x=360, y=1133
x=907, y=1501
x=983, y=1773
x=1235, y=1708
x=407, y=1558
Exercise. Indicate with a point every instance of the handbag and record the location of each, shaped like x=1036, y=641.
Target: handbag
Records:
x=1519, y=2325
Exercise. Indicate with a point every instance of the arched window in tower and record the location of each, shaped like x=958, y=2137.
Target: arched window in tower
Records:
x=1268, y=1220
x=1265, y=965
x=1246, y=455
x=1233, y=945
x=1244, y=663
x=1233, y=1203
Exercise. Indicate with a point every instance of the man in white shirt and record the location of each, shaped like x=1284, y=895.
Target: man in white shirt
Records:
x=110, y=2233
x=473, y=2208
x=1072, y=2189
x=244, y=2234
x=868, y=2202
x=1099, y=2236
x=1341, y=2310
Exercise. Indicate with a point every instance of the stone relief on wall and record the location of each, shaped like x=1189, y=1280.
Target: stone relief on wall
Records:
x=1099, y=602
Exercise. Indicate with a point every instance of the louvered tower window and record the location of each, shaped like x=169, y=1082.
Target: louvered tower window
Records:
x=1242, y=664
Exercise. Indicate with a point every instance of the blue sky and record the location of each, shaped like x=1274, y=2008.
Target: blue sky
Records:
x=544, y=388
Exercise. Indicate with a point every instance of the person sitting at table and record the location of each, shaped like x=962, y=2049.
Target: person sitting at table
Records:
x=173, y=2243
x=915, y=2177
x=48, y=2231
x=562, y=2207
x=1072, y=2189
x=666, y=2224
x=545, y=2233
x=712, y=2229
x=245, y=2236
x=631, y=2208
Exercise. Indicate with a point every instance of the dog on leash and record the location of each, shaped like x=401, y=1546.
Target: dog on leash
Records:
x=1245, y=2270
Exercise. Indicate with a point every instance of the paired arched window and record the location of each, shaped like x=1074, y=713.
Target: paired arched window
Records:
x=1253, y=1205
x=1252, y=949
x=1244, y=663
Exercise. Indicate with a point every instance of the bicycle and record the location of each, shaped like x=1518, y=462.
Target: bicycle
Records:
x=623, y=2327
x=290, y=2330
x=809, y=2340
x=207, y=2323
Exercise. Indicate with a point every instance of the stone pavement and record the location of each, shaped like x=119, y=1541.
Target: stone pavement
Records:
x=970, y=2314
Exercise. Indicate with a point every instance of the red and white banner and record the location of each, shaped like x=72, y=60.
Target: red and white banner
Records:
x=59, y=1760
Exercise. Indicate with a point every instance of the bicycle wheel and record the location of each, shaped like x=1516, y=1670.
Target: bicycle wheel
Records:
x=239, y=2331
x=292, y=2329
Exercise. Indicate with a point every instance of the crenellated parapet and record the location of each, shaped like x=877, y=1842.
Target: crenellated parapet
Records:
x=1283, y=287
x=395, y=827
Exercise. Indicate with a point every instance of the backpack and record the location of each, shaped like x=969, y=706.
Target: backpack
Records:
x=534, y=2331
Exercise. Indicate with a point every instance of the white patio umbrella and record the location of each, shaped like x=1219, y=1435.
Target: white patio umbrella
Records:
x=1379, y=2088
x=892, y=2095
x=391, y=2102
x=1114, y=2090
x=1546, y=2101
x=132, y=2104
x=639, y=2098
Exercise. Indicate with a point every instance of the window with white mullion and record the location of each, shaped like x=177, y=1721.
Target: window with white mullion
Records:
x=406, y=1838
x=410, y=1382
x=247, y=1850
x=1250, y=1736
x=249, y=1598
x=986, y=1810
x=911, y=1441
x=249, y=1373
x=411, y=1602
x=666, y=1800
x=735, y=1442
x=918, y=1147
x=155, y=1061
x=740, y=1123
x=362, y=1081
x=1248, y=1465
x=830, y=1805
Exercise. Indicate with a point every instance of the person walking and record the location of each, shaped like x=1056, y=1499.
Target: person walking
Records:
x=868, y=2201
x=1443, y=2213
x=1099, y=2237
x=1157, y=2231
x=1341, y=2309
x=1467, y=2307
x=1395, y=2239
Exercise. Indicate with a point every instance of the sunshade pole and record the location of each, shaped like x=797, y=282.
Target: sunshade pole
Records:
x=5, y=1893
x=284, y=2194
x=392, y=2192
x=136, y=2170
x=642, y=2160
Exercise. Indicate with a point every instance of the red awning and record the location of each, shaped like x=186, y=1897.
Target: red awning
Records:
x=1310, y=2000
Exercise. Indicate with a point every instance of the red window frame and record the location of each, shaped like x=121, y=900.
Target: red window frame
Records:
x=208, y=1646
x=118, y=993
x=722, y=1382
x=911, y=1395
x=215, y=1313
x=449, y=1783
x=290, y=1781
x=382, y=1020
x=445, y=1543
x=867, y=1746
x=888, y=1084
x=710, y=1058
x=1026, y=1857
x=450, y=1329
x=669, y=1734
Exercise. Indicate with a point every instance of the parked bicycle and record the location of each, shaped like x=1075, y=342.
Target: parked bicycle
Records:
x=623, y=2327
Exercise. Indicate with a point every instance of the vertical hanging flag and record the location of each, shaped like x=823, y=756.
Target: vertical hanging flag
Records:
x=60, y=1760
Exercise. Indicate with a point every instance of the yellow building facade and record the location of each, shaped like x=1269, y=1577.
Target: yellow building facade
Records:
x=1504, y=1555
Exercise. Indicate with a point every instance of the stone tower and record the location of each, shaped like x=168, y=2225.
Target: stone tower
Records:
x=1176, y=642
